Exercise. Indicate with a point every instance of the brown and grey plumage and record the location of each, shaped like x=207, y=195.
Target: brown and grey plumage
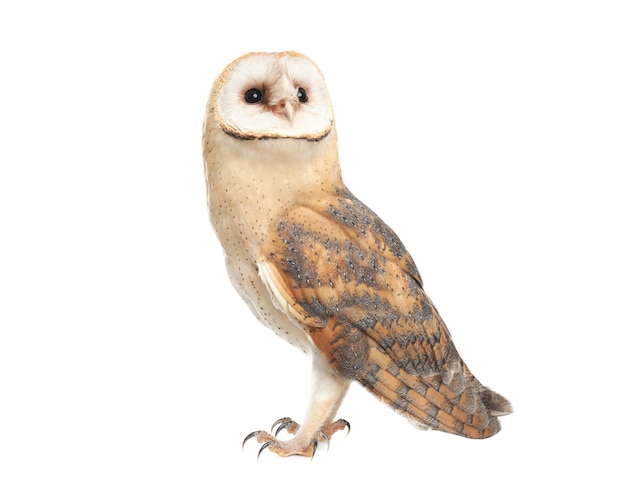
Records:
x=318, y=266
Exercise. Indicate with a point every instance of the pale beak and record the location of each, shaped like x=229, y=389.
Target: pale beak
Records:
x=287, y=110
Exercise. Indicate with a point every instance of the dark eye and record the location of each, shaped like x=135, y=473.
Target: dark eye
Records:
x=253, y=96
x=302, y=97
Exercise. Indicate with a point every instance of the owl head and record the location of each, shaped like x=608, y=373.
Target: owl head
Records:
x=262, y=96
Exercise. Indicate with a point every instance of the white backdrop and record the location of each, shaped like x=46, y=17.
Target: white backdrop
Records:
x=489, y=135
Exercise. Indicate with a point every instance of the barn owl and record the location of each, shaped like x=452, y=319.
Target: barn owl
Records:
x=318, y=267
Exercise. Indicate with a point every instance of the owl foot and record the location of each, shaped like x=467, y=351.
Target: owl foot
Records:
x=299, y=445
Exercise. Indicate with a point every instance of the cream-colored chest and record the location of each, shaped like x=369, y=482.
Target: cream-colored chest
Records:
x=251, y=186
x=245, y=206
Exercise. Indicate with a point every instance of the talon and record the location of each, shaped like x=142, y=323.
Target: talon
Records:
x=280, y=421
x=281, y=427
x=265, y=445
x=326, y=440
x=254, y=434
x=341, y=424
x=347, y=425
x=314, y=448
x=285, y=423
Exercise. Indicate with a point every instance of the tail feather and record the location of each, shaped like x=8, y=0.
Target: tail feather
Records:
x=496, y=404
x=464, y=407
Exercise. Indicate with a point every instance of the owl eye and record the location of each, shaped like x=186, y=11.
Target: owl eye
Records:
x=302, y=97
x=253, y=96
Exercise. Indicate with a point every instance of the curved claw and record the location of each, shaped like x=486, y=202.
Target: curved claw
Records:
x=282, y=426
x=265, y=445
x=326, y=440
x=280, y=422
x=344, y=423
x=254, y=434
x=314, y=448
x=347, y=426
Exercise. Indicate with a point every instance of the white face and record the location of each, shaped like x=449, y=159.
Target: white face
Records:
x=273, y=96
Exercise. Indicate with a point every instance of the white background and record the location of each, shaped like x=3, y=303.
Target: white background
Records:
x=490, y=135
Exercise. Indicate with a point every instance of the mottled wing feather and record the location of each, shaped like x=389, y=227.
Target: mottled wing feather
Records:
x=346, y=278
x=340, y=259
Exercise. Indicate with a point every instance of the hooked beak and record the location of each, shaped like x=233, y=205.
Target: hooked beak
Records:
x=285, y=108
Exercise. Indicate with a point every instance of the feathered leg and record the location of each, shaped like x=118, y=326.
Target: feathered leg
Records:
x=327, y=392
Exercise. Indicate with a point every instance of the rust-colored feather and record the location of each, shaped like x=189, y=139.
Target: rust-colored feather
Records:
x=346, y=278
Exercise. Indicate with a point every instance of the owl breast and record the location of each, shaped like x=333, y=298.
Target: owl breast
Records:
x=247, y=198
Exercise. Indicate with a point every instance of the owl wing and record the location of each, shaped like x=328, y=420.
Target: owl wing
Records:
x=345, y=277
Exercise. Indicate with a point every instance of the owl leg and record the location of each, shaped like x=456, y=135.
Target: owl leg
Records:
x=327, y=393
